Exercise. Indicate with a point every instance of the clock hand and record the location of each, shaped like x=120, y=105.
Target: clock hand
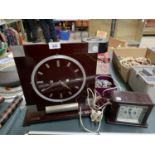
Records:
x=65, y=85
x=51, y=86
x=55, y=85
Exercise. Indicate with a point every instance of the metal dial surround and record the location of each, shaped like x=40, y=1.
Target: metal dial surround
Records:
x=57, y=60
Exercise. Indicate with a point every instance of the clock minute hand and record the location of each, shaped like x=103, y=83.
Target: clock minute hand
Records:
x=51, y=86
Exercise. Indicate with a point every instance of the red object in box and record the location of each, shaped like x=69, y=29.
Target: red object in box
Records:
x=104, y=57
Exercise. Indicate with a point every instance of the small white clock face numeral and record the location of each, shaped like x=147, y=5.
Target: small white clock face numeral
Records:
x=40, y=73
x=47, y=65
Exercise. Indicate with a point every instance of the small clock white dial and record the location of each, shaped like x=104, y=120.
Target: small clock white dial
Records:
x=131, y=113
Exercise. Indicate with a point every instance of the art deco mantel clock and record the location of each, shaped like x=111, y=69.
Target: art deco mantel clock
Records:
x=130, y=108
x=53, y=78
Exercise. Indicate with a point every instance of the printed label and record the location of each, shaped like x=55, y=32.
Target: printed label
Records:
x=55, y=45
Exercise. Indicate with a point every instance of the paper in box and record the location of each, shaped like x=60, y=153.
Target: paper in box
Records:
x=130, y=52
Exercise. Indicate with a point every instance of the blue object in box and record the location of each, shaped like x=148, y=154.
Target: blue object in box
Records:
x=64, y=35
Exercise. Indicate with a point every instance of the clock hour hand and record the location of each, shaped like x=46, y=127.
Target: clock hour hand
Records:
x=65, y=85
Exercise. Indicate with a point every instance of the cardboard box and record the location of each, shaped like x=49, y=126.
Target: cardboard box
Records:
x=116, y=43
x=99, y=24
x=130, y=52
x=130, y=30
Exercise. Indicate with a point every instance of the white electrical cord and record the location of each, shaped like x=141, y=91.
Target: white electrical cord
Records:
x=97, y=111
x=108, y=90
x=88, y=98
x=96, y=115
x=86, y=129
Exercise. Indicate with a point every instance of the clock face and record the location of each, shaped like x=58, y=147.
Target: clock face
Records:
x=131, y=113
x=58, y=78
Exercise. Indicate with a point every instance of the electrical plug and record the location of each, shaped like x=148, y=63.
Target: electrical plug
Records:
x=96, y=116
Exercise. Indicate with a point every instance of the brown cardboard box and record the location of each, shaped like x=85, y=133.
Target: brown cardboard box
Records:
x=116, y=43
x=130, y=52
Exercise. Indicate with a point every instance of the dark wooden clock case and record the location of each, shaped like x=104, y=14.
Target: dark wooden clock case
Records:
x=25, y=65
x=130, y=98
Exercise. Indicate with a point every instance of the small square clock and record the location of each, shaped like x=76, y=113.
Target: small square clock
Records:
x=130, y=108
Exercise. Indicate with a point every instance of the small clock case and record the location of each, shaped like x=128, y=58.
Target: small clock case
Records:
x=126, y=98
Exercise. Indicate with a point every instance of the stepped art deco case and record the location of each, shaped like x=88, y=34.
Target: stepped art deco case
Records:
x=130, y=108
x=53, y=76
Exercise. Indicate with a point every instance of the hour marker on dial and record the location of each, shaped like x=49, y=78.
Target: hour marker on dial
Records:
x=40, y=73
x=43, y=85
x=40, y=82
x=76, y=70
x=78, y=79
x=51, y=81
x=58, y=63
x=68, y=64
x=77, y=87
x=61, y=96
x=70, y=93
x=47, y=65
x=43, y=90
x=51, y=95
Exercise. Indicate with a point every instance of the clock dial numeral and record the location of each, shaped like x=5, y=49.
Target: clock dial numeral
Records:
x=58, y=63
x=40, y=82
x=77, y=87
x=70, y=93
x=47, y=65
x=76, y=70
x=40, y=73
x=68, y=64
x=61, y=96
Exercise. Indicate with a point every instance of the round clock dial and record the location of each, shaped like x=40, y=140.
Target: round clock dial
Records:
x=58, y=78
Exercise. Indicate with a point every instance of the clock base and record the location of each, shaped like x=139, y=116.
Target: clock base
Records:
x=34, y=116
x=129, y=124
